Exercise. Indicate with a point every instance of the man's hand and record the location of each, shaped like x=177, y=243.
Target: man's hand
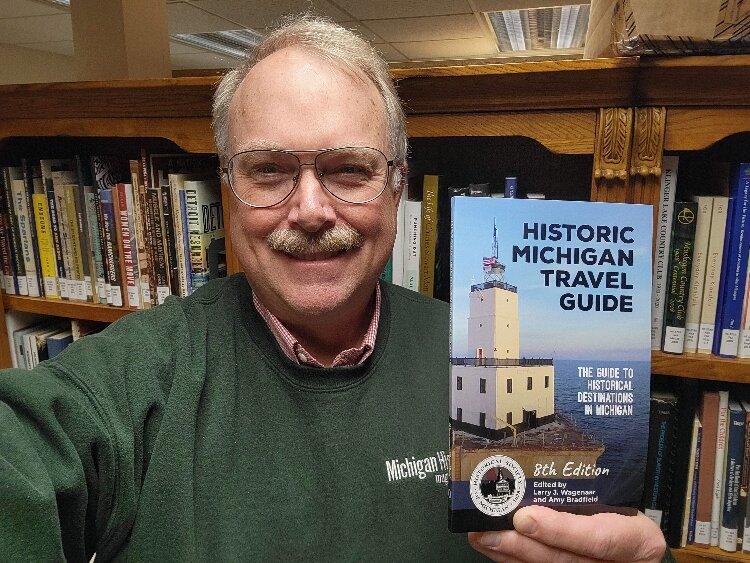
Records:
x=545, y=535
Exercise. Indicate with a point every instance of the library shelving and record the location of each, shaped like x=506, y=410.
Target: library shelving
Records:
x=584, y=129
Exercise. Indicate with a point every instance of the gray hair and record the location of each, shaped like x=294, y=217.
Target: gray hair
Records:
x=335, y=44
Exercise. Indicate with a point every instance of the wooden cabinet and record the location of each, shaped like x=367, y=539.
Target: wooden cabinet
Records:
x=606, y=122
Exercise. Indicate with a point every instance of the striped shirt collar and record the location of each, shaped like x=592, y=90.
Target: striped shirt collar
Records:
x=297, y=353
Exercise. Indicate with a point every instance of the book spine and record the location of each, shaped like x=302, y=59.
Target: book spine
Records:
x=13, y=235
x=713, y=274
x=137, y=216
x=511, y=186
x=47, y=261
x=98, y=270
x=186, y=277
x=662, y=235
x=61, y=211
x=397, y=256
x=156, y=243
x=678, y=280
x=106, y=251
x=32, y=177
x=429, y=234
x=412, y=244
x=726, y=342
x=62, y=279
x=77, y=282
x=125, y=243
x=25, y=229
x=106, y=201
x=693, y=493
x=661, y=435
x=698, y=272
x=709, y=421
x=169, y=239
x=742, y=524
x=84, y=234
x=732, y=477
x=721, y=448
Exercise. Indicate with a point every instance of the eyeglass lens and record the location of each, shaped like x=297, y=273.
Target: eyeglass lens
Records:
x=263, y=178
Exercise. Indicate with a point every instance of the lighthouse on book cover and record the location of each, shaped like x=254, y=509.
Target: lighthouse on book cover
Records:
x=527, y=385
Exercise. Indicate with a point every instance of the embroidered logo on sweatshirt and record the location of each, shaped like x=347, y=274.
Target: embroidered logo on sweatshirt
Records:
x=412, y=467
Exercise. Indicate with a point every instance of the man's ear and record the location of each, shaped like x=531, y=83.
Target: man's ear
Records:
x=399, y=181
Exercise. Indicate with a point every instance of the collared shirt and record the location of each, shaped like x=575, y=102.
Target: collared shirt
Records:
x=297, y=353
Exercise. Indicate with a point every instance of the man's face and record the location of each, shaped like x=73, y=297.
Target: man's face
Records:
x=294, y=100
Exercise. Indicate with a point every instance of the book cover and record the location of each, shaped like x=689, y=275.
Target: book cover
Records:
x=719, y=461
x=78, y=285
x=84, y=230
x=709, y=416
x=127, y=244
x=732, y=476
x=678, y=275
x=743, y=524
x=115, y=280
x=663, y=231
x=12, y=231
x=25, y=229
x=714, y=260
x=428, y=245
x=698, y=271
x=662, y=435
x=205, y=223
x=694, y=479
x=157, y=244
x=734, y=270
x=47, y=260
x=96, y=243
x=550, y=357
x=57, y=342
x=32, y=177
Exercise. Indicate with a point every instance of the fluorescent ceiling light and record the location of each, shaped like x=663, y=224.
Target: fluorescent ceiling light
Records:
x=230, y=43
x=559, y=27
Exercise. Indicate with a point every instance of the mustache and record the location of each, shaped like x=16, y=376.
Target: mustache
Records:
x=336, y=239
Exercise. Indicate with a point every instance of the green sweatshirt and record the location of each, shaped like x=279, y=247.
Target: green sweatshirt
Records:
x=184, y=434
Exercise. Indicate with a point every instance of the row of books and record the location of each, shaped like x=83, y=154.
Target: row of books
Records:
x=109, y=230
x=703, y=499
x=33, y=338
x=701, y=288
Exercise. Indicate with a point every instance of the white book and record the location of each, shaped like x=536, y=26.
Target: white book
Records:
x=412, y=248
x=661, y=251
x=397, y=257
x=15, y=323
x=714, y=259
x=721, y=446
x=698, y=271
x=691, y=477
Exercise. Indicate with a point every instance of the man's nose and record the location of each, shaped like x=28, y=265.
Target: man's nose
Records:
x=312, y=204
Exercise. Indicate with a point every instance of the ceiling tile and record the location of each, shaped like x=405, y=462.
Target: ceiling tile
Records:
x=497, y=5
x=363, y=30
x=389, y=53
x=202, y=60
x=260, y=14
x=25, y=8
x=59, y=47
x=186, y=18
x=463, y=26
x=450, y=49
x=369, y=10
x=36, y=29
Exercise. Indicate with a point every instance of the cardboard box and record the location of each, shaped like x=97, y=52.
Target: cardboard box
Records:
x=667, y=27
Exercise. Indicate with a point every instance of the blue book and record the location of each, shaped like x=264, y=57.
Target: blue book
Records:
x=734, y=268
x=56, y=343
x=732, y=476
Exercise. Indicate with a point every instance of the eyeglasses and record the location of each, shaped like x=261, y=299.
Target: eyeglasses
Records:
x=263, y=178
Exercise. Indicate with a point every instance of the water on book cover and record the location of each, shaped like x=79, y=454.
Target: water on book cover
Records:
x=550, y=357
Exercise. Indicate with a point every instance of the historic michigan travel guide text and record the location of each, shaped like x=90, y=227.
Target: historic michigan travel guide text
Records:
x=550, y=357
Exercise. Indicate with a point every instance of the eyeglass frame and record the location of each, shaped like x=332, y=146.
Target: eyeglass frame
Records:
x=225, y=170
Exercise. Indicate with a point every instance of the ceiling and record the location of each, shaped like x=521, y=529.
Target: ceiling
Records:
x=404, y=31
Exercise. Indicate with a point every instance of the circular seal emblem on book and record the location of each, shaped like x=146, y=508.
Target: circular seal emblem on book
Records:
x=497, y=485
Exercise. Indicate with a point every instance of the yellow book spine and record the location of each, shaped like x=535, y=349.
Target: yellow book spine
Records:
x=47, y=259
x=429, y=234
x=76, y=263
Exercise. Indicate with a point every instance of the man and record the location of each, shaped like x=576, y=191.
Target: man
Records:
x=266, y=416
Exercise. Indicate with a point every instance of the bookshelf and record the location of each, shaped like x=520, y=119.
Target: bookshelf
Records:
x=611, y=118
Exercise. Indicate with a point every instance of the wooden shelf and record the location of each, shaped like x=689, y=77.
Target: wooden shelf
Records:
x=701, y=366
x=693, y=554
x=68, y=309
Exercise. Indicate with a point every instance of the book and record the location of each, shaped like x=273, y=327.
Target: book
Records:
x=688, y=517
x=32, y=177
x=47, y=260
x=663, y=231
x=734, y=268
x=15, y=322
x=35, y=342
x=714, y=260
x=397, y=256
x=25, y=221
x=428, y=244
x=735, y=447
x=709, y=417
x=719, y=460
x=412, y=243
x=205, y=223
x=79, y=286
x=698, y=271
x=662, y=436
x=511, y=186
x=550, y=357
x=677, y=293
x=12, y=232
x=115, y=282
x=743, y=525
x=57, y=342
x=127, y=244
x=157, y=244
x=140, y=228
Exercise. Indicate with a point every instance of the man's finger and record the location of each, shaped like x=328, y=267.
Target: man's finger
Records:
x=608, y=536
x=510, y=546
